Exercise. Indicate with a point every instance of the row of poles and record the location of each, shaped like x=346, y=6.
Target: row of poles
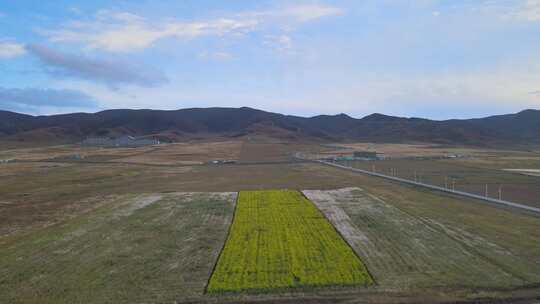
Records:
x=418, y=178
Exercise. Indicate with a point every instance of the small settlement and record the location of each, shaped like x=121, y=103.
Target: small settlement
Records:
x=123, y=141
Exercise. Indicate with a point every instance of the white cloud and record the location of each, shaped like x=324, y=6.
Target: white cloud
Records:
x=297, y=14
x=123, y=31
x=282, y=43
x=75, y=10
x=304, y=13
x=517, y=10
x=10, y=49
x=219, y=56
x=529, y=10
x=285, y=41
x=119, y=32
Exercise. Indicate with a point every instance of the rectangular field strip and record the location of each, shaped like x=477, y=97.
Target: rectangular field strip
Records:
x=279, y=239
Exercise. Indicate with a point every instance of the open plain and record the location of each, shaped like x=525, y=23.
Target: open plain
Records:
x=146, y=225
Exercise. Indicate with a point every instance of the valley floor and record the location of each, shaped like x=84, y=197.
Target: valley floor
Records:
x=139, y=233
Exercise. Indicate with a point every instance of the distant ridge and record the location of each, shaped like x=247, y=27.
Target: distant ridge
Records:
x=178, y=125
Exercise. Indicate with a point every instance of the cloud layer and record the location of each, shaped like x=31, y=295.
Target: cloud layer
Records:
x=34, y=99
x=122, y=31
x=10, y=49
x=109, y=72
x=529, y=10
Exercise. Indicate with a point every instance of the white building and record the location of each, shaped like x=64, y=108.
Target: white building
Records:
x=123, y=141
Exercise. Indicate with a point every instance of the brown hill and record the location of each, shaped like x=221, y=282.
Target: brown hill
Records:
x=519, y=128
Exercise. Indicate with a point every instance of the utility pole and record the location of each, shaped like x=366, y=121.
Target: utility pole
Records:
x=446, y=182
x=487, y=194
x=500, y=192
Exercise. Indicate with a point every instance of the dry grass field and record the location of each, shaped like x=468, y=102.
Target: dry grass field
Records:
x=408, y=251
x=155, y=248
x=392, y=150
x=486, y=155
x=189, y=153
x=464, y=175
x=514, y=172
x=122, y=232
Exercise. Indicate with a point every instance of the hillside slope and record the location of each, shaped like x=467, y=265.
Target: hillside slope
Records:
x=522, y=127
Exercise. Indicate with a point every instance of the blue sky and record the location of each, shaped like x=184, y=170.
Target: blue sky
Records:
x=425, y=58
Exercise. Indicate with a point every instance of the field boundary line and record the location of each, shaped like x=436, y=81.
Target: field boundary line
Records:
x=490, y=200
x=343, y=238
x=224, y=242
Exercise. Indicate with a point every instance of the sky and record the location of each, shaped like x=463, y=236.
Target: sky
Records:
x=436, y=59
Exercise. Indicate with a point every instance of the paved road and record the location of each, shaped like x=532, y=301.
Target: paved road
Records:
x=461, y=193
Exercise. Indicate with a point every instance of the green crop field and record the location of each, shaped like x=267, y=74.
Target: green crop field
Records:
x=279, y=239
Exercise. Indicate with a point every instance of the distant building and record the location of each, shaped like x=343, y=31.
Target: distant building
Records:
x=123, y=141
x=365, y=154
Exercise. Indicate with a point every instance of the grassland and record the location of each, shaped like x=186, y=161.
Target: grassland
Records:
x=43, y=205
x=189, y=153
x=132, y=249
x=465, y=175
x=406, y=251
x=280, y=240
x=479, y=167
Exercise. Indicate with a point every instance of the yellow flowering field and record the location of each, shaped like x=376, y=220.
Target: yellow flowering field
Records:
x=279, y=239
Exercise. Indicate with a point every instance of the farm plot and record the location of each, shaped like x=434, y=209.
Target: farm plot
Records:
x=463, y=175
x=407, y=252
x=280, y=240
x=147, y=248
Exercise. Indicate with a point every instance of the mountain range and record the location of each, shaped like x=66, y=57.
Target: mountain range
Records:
x=179, y=125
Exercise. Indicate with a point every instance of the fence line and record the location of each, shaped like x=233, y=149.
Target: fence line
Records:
x=433, y=187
